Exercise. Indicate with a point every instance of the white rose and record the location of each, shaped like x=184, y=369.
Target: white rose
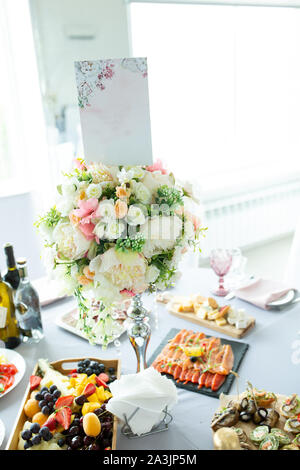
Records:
x=135, y=216
x=137, y=172
x=94, y=190
x=141, y=192
x=99, y=230
x=152, y=273
x=68, y=190
x=70, y=241
x=114, y=229
x=65, y=206
x=106, y=210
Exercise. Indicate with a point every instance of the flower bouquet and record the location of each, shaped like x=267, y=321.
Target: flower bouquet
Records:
x=113, y=233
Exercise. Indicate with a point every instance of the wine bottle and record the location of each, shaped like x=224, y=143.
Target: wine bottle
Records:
x=12, y=275
x=29, y=313
x=9, y=331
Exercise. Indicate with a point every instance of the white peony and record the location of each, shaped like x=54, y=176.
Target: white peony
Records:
x=70, y=242
x=135, y=216
x=160, y=234
x=94, y=190
x=153, y=181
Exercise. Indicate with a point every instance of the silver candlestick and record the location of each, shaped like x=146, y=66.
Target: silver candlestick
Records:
x=139, y=331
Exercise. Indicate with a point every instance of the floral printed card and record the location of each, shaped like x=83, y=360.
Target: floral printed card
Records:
x=114, y=111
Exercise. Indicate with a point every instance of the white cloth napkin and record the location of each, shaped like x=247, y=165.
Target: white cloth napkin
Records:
x=147, y=390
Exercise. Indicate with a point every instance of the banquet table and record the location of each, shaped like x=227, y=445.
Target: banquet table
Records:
x=271, y=362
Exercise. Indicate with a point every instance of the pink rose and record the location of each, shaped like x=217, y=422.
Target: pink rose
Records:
x=83, y=216
x=80, y=165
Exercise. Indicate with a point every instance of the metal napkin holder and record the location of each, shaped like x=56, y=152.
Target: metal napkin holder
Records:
x=160, y=427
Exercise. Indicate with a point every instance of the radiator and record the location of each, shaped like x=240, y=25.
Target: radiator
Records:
x=251, y=219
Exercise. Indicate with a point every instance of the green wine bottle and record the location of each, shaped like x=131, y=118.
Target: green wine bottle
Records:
x=9, y=330
x=12, y=275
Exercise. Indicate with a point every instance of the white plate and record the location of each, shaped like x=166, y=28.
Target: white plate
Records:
x=2, y=432
x=12, y=357
x=284, y=300
x=68, y=321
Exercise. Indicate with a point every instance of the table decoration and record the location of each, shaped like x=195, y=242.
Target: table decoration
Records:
x=120, y=224
x=116, y=232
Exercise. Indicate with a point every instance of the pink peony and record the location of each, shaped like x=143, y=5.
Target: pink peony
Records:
x=157, y=166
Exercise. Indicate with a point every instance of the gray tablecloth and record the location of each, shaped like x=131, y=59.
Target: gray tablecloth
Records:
x=272, y=362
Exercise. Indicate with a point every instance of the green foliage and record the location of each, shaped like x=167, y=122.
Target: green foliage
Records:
x=131, y=244
x=171, y=197
x=109, y=192
x=50, y=219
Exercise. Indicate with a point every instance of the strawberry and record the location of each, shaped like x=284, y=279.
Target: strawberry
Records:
x=64, y=401
x=63, y=417
x=101, y=383
x=103, y=377
x=34, y=381
x=89, y=390
x=51, y=422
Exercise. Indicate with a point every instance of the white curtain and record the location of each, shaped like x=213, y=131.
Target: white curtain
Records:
x=21, y=103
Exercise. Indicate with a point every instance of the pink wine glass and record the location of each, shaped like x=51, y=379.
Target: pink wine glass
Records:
x=220, y=261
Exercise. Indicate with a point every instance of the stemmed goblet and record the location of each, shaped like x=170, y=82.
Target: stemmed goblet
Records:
x=220, y=261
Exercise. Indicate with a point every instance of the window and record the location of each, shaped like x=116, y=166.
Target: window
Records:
x=23, y=147
x=224, y=90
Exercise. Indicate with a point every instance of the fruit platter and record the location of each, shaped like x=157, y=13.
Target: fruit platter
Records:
x=64, y=407
x=261, y=420
x=207, y=312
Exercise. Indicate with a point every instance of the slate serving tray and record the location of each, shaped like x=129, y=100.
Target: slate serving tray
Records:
x=239, y=350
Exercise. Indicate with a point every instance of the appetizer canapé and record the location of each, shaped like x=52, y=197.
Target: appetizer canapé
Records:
x=259, y=419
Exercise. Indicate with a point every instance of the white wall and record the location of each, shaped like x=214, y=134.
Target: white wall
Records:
x=57, y=53
x=18, y=214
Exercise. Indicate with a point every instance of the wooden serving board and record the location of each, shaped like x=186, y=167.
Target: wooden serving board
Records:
x=248, y=427
x=228, y=330
x=65, y=366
